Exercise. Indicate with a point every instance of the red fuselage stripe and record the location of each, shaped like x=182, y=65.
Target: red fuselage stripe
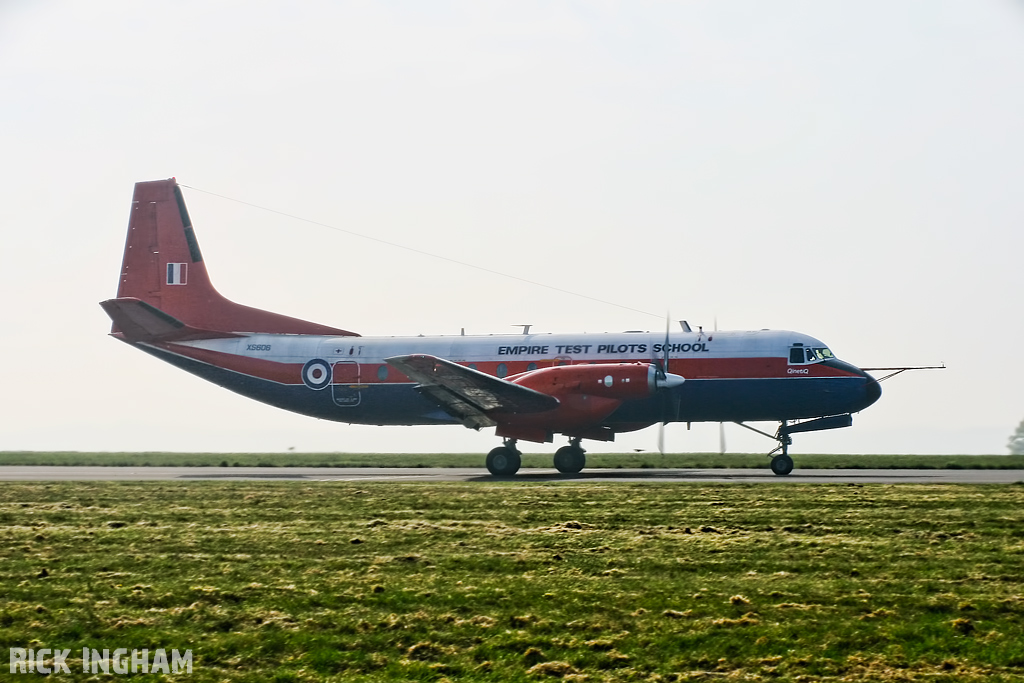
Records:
x=690, y=368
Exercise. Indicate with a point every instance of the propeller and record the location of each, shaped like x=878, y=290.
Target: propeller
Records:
x=665, y=381
x=721, y=425
x=662, y=363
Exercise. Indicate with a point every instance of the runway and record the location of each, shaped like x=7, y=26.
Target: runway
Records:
x=396, y=474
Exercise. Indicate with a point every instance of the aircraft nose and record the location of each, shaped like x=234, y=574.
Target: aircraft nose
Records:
x=872, y=390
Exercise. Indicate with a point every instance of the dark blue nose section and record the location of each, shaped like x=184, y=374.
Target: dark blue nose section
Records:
x=872, y=390
x=858, y=396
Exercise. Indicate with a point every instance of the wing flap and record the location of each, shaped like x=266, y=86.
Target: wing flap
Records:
x=468, y=414
x=467, y=394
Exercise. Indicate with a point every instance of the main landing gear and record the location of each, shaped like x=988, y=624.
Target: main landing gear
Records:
x=570, y=459
x=505, y=460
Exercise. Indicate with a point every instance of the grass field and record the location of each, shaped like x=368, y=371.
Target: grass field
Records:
x=273, y=581
x=624, y=460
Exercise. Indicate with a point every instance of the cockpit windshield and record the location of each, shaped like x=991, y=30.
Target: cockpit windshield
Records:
x=816, y=354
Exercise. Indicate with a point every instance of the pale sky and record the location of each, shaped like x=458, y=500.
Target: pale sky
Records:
x=850, y=170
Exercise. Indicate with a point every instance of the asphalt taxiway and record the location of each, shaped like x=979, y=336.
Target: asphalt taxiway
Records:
x=465, y=474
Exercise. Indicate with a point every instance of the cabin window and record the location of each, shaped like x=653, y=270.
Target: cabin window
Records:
x=382, y=373
x=502, y=370
x=531, y=367
x=472, y=366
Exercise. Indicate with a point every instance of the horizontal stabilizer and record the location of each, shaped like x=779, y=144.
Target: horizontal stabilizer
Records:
x=138, y=321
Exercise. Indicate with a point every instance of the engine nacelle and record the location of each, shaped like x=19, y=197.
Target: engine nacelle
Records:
x=621, y=381
x=587, y=395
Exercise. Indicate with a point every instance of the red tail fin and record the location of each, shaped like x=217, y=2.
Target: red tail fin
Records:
x=164, y=268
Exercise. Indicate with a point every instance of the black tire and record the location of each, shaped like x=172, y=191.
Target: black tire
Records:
x=570, y=459
x=503, y=461
x=782, y=465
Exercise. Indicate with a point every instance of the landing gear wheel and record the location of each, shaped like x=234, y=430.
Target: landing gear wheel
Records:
x=570, y=459
x=782, y=464
x=503, y=461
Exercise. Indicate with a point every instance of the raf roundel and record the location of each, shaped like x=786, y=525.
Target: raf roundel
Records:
x=316, y=374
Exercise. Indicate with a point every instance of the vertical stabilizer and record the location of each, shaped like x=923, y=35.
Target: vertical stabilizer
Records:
x=163, y=267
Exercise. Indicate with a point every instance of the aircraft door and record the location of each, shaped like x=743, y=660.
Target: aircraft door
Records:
x=345, y=385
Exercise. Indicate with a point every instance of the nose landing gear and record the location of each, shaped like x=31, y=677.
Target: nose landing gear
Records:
x=782, y=464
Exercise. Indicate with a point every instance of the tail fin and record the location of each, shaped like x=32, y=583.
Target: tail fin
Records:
x=164, y=268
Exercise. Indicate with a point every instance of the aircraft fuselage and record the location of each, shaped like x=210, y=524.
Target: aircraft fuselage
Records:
x=730, y=376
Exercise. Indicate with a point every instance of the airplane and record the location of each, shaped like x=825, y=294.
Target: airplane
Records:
x=527, y=386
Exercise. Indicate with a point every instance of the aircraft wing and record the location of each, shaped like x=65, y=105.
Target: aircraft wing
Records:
x=467, y=394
